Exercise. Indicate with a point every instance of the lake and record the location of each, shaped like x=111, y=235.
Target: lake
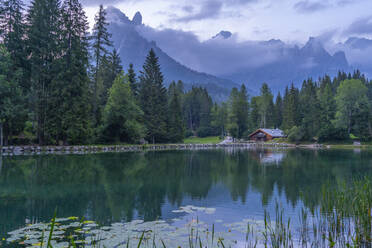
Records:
x=220, y=187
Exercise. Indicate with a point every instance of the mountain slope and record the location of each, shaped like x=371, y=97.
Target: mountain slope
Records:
x=293, y=65
x=133, y=48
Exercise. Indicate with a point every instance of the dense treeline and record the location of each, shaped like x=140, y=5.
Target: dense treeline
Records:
x=60, y=84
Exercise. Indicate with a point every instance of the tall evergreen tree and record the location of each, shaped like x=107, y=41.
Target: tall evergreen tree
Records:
x=239, y=112
x=12, y=26
x=43, y=39
x=278, y=111
x=175, y=119
x=133, y=80
x=291, y=108
x=266, y=106
x=310, y=109
x=122, y=116
x=101, y=43
x=153, y=99
x=11, y=108
x=110, y=68
x=69, y=120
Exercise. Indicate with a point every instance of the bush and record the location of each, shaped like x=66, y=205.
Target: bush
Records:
x=205, y=132
x=330, y=133
x=296, y=134
x=189, y=133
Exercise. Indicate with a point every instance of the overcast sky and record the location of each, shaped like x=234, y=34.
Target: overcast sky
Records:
x=289, y=20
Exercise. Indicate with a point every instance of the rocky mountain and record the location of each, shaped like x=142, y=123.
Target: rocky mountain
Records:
x=292, y=64
x=227, y=62
x=133, y=48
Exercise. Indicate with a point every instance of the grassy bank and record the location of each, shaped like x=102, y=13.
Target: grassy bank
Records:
x=206, y=140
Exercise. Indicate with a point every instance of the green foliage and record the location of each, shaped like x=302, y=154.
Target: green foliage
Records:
x=101, y=43
x=238, y=112
x=197, y=110
x=352, y=106
x=122, y=117
x=44, y=31
x=12, y=107
x=296, y=134
x=153, y=100
x=175, y=121
x=265, y=107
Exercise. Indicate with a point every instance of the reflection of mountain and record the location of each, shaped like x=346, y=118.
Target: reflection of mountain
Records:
x=123, y=186
x=133, y=48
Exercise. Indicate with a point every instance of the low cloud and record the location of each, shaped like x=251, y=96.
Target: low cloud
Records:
x=215, y=56
x=361, y=26
x=209, y=9
x=308, y=6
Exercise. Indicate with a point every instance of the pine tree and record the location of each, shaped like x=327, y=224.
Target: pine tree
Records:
x=133, y=80
x=12, y=28
x=43, y=33
x=239, y=112
x=278, y=111
x=110, y=68
x=291, y=108
x=101, y=43
x=12, y=108
x=266, y=106
x=310, y=110
x=153, y=99
x=175, y=120
x=122, y=116
x=69, y=119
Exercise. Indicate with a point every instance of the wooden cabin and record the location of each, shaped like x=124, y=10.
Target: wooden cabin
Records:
x=264, y=134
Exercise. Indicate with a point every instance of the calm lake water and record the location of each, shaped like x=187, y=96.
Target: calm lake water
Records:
x=121, y=187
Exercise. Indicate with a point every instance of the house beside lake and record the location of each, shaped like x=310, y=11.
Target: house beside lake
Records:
x=264, y=134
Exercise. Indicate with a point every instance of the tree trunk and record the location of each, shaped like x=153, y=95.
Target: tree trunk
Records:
x=1, y=136
x=1, y=160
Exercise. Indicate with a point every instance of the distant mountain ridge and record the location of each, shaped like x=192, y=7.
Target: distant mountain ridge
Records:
x=133, y=48
x=226, y=62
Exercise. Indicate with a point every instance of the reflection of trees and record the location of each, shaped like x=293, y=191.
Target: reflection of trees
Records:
x=115, y=187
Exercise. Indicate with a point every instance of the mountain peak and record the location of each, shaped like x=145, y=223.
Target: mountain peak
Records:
x=137, y=19
x=115, y=15
x=314, y=47
x=223, y=35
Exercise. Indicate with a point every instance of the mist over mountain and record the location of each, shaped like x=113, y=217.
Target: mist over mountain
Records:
x=133, y=48
x=232, y=62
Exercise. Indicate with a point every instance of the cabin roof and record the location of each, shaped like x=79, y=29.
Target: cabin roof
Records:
x=275, y=133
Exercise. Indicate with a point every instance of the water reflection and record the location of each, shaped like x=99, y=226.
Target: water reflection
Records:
x=125, y=186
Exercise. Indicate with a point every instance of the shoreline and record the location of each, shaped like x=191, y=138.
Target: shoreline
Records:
x=92, y=149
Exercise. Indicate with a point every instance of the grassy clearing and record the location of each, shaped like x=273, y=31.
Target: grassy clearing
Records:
x=206, y=140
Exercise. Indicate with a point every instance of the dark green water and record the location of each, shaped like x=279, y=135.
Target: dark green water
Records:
x=120, y=187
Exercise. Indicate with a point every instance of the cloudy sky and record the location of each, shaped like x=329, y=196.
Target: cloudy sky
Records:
x=289, y=20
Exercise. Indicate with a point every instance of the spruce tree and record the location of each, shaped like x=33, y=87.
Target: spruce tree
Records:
x=278, y=111
x=239, y=112
x=310, y=110
x=132, y=77
x=175, y=120
x=122, y=116
x=109, y=69
x=101, y=43
x=291, y=108
x=12, y=110
x=265, y=105
x=153, y=100
x=43, y=39
x=12, y=28
x=69, y=99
